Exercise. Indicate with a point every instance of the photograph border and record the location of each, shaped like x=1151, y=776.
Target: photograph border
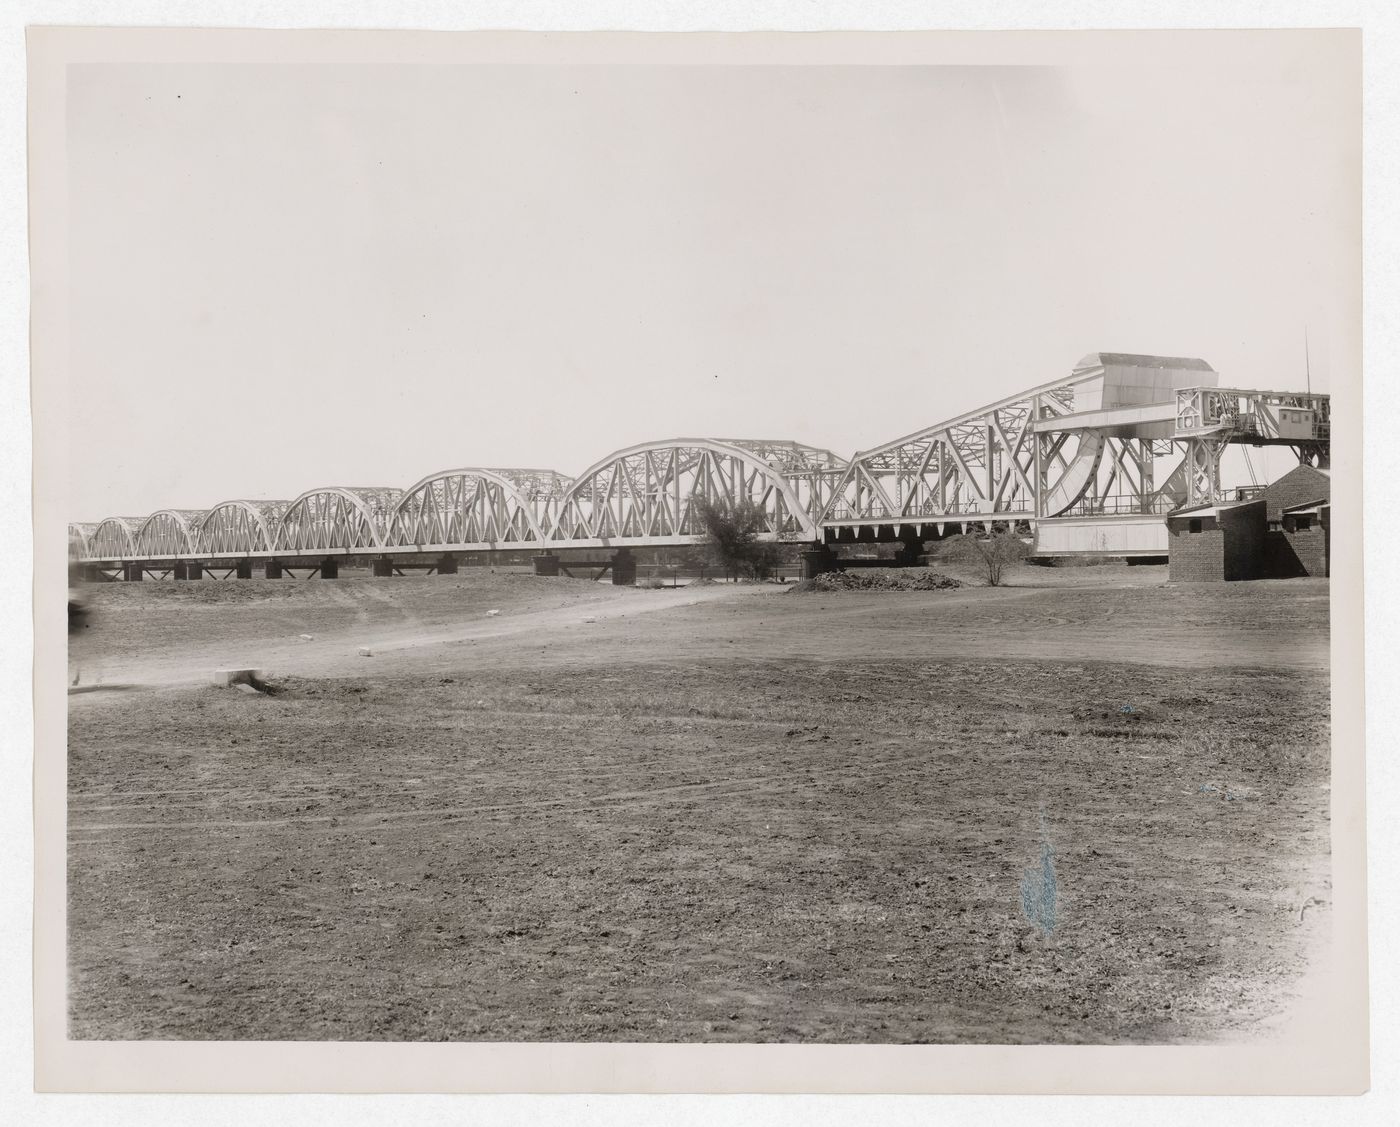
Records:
x=1326, y=1052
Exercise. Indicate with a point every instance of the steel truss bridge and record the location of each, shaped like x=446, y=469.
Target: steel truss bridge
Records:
x=1088, y=464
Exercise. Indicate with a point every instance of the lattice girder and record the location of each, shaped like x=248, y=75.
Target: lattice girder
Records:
x=115, y=538
x=473, y=509
x=237, y=528
x=649, y=492
x=80, y=540
x=168, y=533
x=989, y=462
x=336, y=519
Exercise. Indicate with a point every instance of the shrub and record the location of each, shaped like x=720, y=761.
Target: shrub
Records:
x=992, y=555
x=731, y=534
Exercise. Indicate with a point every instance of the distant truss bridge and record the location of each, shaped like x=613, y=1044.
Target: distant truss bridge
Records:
x=1088, y=464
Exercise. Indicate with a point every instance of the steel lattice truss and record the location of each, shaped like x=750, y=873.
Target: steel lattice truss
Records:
x=80, y=540
x=477, y=509
x=168, y=533
x=1064, y=449
x=240, y=528
x=647, y=495
x=337, y=520
x=983, y=464
x=115, y=538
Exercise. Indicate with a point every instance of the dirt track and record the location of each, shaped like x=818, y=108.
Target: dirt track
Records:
x=726, y=814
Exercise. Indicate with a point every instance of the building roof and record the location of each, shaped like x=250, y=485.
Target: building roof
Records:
x=1309, y=506
x=1213, y=510
x=1302, y=484
x=1135, y=360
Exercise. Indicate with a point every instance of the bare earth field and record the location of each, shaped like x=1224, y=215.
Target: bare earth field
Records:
x=728, y=813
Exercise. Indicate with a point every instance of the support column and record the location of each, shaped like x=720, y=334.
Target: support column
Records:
x=447, y=565
x=135, y=573
x=91, y=573
x=624, y=568
x=330, y=568
x=243, y=569
x=272, y=570
x=910, y=553
x=381, y=567
x=179, y=570
x=817, y=561
x=194, y=569
x=547, y=564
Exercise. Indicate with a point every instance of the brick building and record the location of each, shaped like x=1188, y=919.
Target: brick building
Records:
x=1304, y=542
x=1212, y=543
x=1299, y=535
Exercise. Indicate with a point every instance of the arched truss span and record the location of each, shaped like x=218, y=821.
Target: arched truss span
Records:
x=168, y=533
x=336, y=519
x=80, y=540
x=984, y=463
x=648, y=494
x=474, y=509
x=237, y=528
x=114, y=538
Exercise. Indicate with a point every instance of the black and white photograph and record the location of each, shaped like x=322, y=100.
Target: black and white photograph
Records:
x=782, y=548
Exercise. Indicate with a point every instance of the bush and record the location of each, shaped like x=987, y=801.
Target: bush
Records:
x=731, y=534
x=992, y=555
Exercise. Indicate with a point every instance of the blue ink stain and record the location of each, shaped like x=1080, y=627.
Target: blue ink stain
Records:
x=1038, y=886
x=1127, y=708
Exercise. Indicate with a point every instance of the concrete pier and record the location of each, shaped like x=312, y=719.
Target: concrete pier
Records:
x=624, y=568
x=910, y=553
x=330, y=568
x=381, y=567
x=134, y=573
x=272, y=570
x=547, y=564
x=179, y=570
x=447, y=565
x=194, y=569
x=818, y=561
x=243, y=569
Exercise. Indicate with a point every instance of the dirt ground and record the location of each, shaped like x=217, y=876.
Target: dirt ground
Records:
x=729, y=813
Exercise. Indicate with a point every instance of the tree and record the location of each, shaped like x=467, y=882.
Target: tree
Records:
x=731, y=533
x=992, y=554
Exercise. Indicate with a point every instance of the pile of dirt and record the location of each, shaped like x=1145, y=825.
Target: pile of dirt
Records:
x=903, y=579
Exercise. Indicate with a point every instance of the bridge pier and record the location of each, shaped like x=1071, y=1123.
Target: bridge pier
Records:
x=548, y=564
x=910, y=552
x=624, y=568
x=194, y=569
x=272, y=570
x=817, y=561
x=330, y=568
x=447, y=564
x=134, y=573
x=243, y=569
x=381, y=567
x=179, y=570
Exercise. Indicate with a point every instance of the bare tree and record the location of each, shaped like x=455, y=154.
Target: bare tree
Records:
x=731, y=533
x=992, y=554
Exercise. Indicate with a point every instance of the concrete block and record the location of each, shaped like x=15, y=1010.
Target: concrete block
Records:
x=365, y=651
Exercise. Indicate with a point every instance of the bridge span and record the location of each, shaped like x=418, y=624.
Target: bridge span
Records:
x=1087, y=464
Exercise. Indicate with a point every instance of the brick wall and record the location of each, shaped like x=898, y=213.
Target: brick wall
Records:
x=1309, y=545
x=1298, y=486
x=1195, y=557
x=1230, y=545
x=1245, y=529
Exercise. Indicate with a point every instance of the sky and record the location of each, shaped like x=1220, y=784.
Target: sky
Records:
x=291, y=276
